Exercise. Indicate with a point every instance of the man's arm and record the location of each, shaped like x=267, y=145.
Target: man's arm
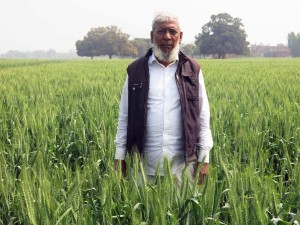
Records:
x=121, y=136
x=205, y=141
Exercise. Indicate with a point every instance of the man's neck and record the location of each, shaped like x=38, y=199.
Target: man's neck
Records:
x=163, y=62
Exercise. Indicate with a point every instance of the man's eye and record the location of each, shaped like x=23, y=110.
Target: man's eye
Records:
x=172, y=32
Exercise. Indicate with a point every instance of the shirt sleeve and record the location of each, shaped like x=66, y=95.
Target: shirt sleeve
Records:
x=205, y=141
x=121, y=136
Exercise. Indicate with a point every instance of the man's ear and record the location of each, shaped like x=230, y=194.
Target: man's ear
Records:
x=180, y=37
x=151, y=36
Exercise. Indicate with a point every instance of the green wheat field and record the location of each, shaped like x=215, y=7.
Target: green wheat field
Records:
x=58, y=122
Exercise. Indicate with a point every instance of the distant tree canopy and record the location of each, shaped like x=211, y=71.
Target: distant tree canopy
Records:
x=294, y=44
x=105, y=41
x=142, y=45
x=189, y=49
x=222, y=35
x=38, y=54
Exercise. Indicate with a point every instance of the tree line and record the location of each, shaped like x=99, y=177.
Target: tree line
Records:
x=39, y=54
x=221, y=36
x=294, y=44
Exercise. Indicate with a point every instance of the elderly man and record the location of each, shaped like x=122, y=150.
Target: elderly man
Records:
x=164, y=109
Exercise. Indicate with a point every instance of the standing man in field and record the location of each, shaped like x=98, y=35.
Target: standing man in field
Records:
x=164, y=110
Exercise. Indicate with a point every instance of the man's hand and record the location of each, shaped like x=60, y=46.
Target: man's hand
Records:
x=203, y=172
x=123, y=166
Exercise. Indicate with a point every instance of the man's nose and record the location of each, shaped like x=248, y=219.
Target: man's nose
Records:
x=167, y=35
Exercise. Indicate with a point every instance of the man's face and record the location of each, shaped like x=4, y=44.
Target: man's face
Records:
x=166, y=36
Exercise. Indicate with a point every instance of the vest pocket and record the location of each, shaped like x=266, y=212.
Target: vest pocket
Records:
x=193, y=97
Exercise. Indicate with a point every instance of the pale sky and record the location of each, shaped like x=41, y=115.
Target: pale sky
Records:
x=28, y=25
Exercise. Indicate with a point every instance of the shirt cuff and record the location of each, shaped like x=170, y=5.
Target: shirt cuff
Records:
x=120, y=154
x=203, y=155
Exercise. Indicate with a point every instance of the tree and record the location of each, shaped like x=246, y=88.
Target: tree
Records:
x=105, y=41
x=189, y=49
x=222, y=35
x=294, y=44
x=142, y=45
x=14, y=54
x=51, y=53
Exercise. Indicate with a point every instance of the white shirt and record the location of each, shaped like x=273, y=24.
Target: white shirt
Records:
x=164, y=128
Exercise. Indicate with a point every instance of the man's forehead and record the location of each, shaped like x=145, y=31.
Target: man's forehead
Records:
x=168, y=24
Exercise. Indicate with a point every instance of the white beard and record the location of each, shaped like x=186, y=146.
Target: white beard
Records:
x=166, y=57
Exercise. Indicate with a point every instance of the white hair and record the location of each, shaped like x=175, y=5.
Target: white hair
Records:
x=164, y=17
